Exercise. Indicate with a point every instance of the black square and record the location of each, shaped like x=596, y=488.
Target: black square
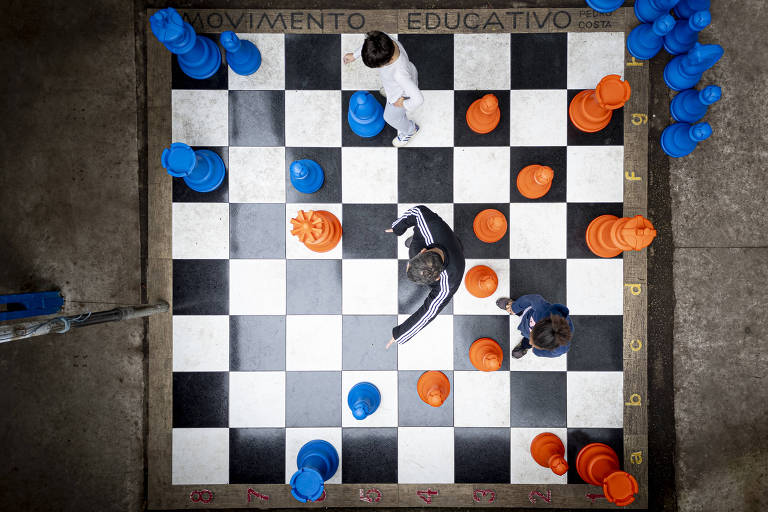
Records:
x=256, y=343
x=425, y=175
x=313, y=61
x=256, y=118
x=469, y=328
x=350, y=138
x=200, y=287
x=256, y=230
x=422, y=49
x=364, y=235
x=538, y=399
x=200, y=399
x=463, y=219
x=539, y=61
x=412, y=411
x=578, y=438
x=542, y=277
x=183, y=194
x=410, y=296
x=463, y=136
x=330, y=161
x=314, y=287
x=256, y=456
x=579, y=216
x=369, y=455
x=313, y=399
x=219, y=80
x=555, y=157
x=598, y=343
x=611, y=135
x=361, y=348
x=481, y=455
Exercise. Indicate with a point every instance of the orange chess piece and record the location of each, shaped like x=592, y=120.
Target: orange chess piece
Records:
x=608, y=235
x=490, y=225
x=598, y=464
x=483, y=114
x=534, y=181
x=547, y=450
x=433, y=387
x=319, y=230
x=591, y=110
x=481, y=281
x=486, y=355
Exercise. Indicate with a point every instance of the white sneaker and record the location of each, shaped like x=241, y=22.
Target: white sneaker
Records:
x=402, y=140
x=383, y=92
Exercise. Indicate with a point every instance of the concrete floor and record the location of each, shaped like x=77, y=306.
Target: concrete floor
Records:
x=73, y=428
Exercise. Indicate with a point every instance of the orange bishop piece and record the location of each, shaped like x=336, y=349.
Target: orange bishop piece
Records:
x=319, y=230
x=483, y=114
x=547, y=450
x=591, y=110
x=598, y=464
x=433, y=387
x=486, y=355
x=490, y=225
x=534, y=181
x=608, y=235
x=481, y=281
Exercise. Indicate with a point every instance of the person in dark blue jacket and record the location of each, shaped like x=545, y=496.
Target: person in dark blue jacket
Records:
x=545, y=327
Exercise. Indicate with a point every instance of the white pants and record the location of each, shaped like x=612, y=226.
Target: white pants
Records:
x=397, y=118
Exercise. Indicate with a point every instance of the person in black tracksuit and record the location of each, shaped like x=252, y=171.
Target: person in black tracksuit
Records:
x=437, y=261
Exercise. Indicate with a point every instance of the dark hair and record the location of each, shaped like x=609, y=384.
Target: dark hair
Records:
x=378, y=49
x=425, y=268
x=551, y=332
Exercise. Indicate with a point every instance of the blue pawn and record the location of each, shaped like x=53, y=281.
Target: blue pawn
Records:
x=605, y=5
x=690, y=105
x=686, y=32
x=364, y=398
x=648, y=10
x=317, y=462
x=199, y=57
x=681, y=139
x=306, y=176
x=202, y=170
x=684, y=71
x=242, y=56
x=645, y=40
x=686, y=8
x=366, y=115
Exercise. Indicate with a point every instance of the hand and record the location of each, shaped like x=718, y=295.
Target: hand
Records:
x=509, y=308
x=399, y=102
x=349, y=57
x=388, y=230
x=391, y=341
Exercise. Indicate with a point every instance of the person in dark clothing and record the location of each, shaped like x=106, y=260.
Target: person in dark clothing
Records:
x=545, y=327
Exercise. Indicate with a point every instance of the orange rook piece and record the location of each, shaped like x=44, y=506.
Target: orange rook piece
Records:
x=319, y=231
x=591, y=110
x=547, y=450
x=486, y=355
x=490, y=225
x=433, y=388
x=483, y=114
x=534, y=181
x=608, y=235
x=481, y=281
x=598, y=464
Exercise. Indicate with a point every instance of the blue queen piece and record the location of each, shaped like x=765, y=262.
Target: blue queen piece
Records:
x=317, y=462
x=366, y=115
x=202, y=170
x=199, y=57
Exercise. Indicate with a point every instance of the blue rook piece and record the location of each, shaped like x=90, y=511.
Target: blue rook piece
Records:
x=681, y=139
x=199, y=57
x=605, y=5
x=366, y=115
x=684, y=71
x=306, y=176
x=202, y=170
x=690, y=105
x=317, y=462
x=686, y=8
x=242, y=56
x=686, y=32
x=364, y=398
x=645, y=40
x=648, y=10
x=24, y=305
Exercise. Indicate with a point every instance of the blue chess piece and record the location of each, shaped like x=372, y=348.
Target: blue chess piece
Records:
x=684, y=71
x=306, y=176
x=686, y=8
x=681, y=139
x=364, y=398
x=202, y=170
x=317, y=462
x=199, y=57
x=648, y=10
x=366, y=115
x=242, y=56
x=605, y=5
x=686, y=32
x=646, y=40
x=690, y=105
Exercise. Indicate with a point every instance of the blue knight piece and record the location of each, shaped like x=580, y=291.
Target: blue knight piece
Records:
x=317, y=462
x=646, y=40
x=684, y=71
x=202, y=170
x=242, y=56
x=306, y=176
x=690, y=105
x=686, y=8
x=605, y=5
x=648, y=10
x=681, y=139
x=366, y=115
x=682, y=38
x=199, y=57
x=363, y=399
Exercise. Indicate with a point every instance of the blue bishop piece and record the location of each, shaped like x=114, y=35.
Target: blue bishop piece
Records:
x=306, y=176
x=684, y=71
x=686, y=32
x=199, y=57
x=605, y=5
x=648, y=10
x=364, y=398
x=690, y=105
x=202, y=170
x=366, y=115
x=645, y=40
x=242, y=56
x=681, y=139
x=686, y=8
x=317, y=462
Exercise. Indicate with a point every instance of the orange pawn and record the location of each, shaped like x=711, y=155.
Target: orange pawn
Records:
x=608, y=235
x=433, y=388
x=490, y=225
x=591, y=110
x=481, y=281
x=485, y=355
x=547, y=450
x=320, y=231
x=534, y=181
x=598, y=464
x=483, y=114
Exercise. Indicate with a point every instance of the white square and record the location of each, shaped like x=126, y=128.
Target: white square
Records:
x=481, y=174
x=386, y=414
x=369, y=287
x=425, y=455
x=593, y=55
x=443, y=210
x=370, y=175
x=481, y=399
x=595, y=286
x=356, y=76
x=464, y=303
x=256, y=175
x=200, y=456
x=595, y=399
x=313, y=118
x=295, y=438
x=295, y=249
x=256, y=399
x=430, y=349
x=200, y=118
x=200, y=231
x=537, y=230
x=434, y=120
x=271, y=73
x=200, y=343
x=530, y=362
x=481, y=61
x=538, y=117
x=257, y=287
x=313, y=342
x=524, y=469
x=595, y=174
